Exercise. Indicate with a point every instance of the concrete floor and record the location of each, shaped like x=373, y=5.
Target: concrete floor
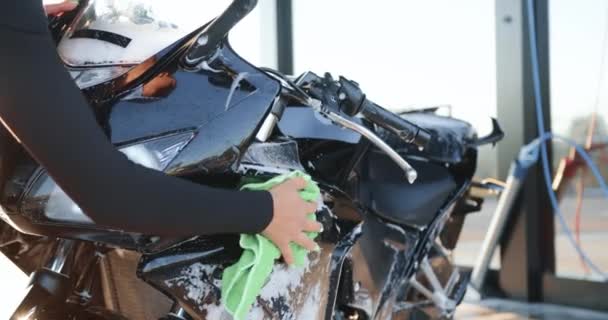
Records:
x=594, y=238
x=495, y=309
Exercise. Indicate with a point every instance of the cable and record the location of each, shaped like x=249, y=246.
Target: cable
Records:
x=534, y=147
x=281, y=77
x=544, y=136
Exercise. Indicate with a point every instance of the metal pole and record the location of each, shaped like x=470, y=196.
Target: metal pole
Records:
x=514, y=181
x=57, y=262
x=285, y=36
x=527, y=247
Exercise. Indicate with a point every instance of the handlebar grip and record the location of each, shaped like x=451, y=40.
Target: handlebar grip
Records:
x=353, y=102
x=406, y=130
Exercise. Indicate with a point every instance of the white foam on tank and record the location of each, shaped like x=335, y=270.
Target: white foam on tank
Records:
x=284, y=279
x=216, y=312
x=152, y=25
x=204, y=65
x=287, y=282
x=310, y=308
x=256, y=313
x=146, y=41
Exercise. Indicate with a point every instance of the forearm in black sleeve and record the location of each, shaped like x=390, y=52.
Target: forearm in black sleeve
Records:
x=42, y=107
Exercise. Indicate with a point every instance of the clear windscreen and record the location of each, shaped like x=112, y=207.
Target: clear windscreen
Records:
x=126, y=32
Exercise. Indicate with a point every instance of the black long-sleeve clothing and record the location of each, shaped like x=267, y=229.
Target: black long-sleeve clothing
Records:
x=45, y=111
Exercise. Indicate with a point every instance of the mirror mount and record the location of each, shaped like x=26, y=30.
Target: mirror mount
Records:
x=212, y=35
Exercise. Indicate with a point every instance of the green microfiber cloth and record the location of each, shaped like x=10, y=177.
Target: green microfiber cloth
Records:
x=243, y=281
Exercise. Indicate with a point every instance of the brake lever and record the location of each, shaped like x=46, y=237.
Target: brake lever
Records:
x=336, y=117
x=410, y=172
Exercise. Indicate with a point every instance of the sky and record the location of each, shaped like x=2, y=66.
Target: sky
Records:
x=404, y=53
x=577, y=46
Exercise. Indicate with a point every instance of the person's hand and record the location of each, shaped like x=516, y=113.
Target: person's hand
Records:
x=57, y=8
x=290, y=219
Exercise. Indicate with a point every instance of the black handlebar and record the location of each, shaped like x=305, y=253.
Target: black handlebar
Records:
x=353, y=102
x=406, y=130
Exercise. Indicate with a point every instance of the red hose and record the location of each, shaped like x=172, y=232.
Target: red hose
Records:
x=580, y=190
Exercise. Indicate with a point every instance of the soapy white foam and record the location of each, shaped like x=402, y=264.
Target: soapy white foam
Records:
x=191, y=279
x=288, y=283
x=205, y=66
x=321, y=205
x=284, y=282
x=310, y=308
x=236, y=83
x=146, y=41
x=256, y=313
x=311, y=165
x=284, y=279
x=205, y=63
x=216, y=312
x=151, y=26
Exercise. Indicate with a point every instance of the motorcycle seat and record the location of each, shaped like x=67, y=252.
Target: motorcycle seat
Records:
x=385, y=190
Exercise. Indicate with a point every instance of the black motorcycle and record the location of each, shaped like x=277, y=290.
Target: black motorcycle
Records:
x=179, y=99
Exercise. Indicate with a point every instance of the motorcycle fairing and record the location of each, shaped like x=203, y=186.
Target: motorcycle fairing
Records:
x=382, y=189
x=225, y=108
x=306, y=123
